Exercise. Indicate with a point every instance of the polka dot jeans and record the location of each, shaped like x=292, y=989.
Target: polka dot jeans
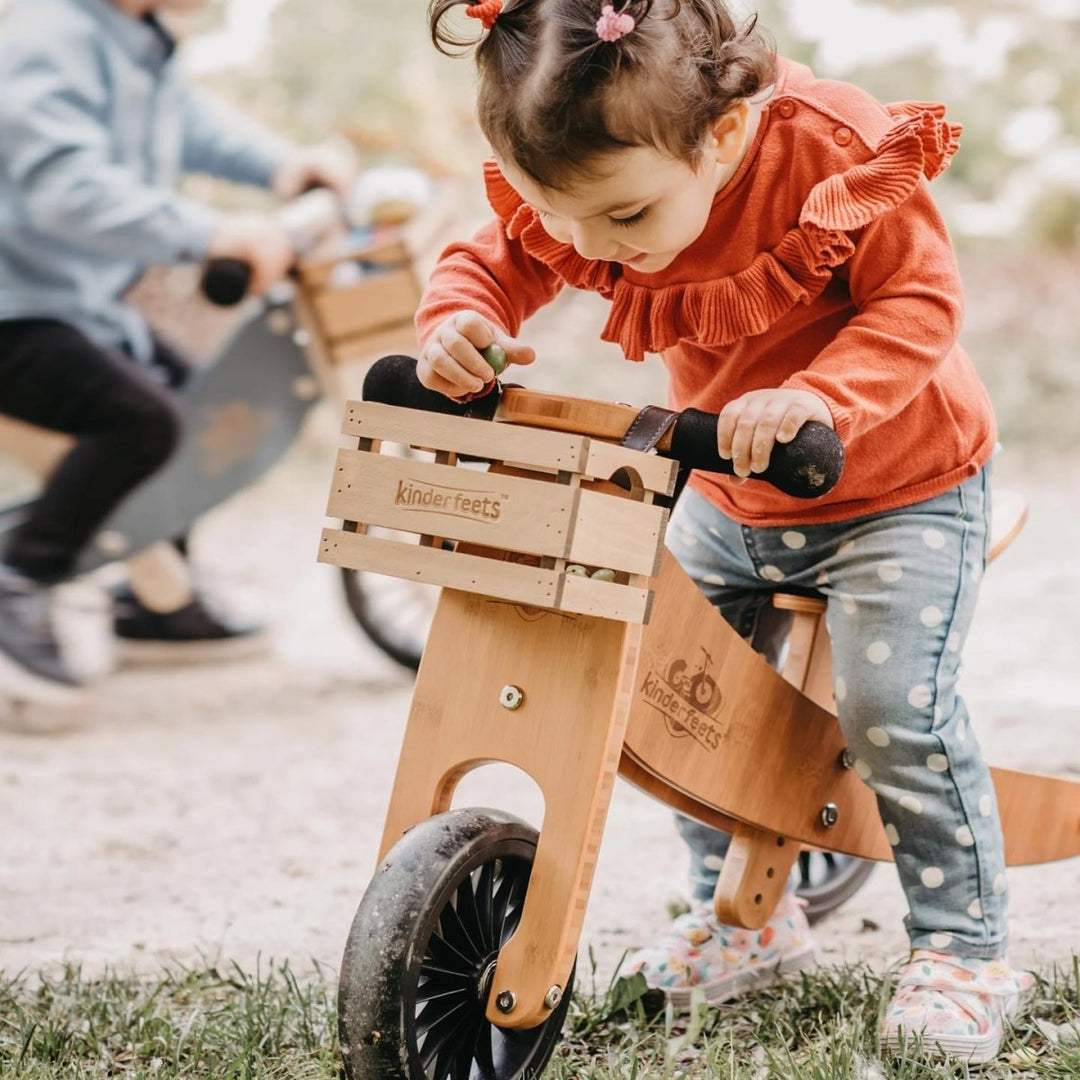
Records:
x=901, y=589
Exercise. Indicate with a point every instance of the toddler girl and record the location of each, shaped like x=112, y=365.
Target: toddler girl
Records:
x=771, y=236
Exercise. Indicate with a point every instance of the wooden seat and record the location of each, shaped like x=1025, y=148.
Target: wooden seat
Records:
x=1008, y=513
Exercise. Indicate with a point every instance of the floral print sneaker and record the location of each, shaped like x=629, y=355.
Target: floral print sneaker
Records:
x=959, y=1005
x=726, y=961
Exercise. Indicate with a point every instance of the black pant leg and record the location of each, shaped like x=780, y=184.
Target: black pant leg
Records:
x=125, y=423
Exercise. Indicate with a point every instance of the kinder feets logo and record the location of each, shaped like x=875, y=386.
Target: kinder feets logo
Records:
x=687, y=699
x=471, y=504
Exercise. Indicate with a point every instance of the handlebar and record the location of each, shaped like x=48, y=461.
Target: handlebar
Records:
x=307, y=219
x=807, y=467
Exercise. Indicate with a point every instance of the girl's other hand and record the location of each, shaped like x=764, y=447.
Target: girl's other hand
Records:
x=451, y=363
x=750, y=425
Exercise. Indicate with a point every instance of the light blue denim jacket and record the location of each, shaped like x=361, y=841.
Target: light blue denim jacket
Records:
x=97, y=124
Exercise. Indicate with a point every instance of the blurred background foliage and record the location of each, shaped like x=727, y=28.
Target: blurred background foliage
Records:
x=1007, y=69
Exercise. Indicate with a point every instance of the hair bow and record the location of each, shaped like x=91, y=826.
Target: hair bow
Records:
x=613, y=24
x=487, y=12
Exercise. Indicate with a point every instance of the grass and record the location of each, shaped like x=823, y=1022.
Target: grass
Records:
x=228, y=1024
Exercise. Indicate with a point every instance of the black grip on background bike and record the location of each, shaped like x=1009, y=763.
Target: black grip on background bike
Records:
x=392, y=381
x=225, y=282
x=806, y=467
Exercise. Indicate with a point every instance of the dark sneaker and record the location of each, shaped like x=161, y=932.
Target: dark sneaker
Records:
x=192, y=634
x=32, y=666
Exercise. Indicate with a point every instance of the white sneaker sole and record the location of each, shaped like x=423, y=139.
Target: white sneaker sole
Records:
x=130, y=652
x=974, y=1049
x=742, y=982
x=18, y=683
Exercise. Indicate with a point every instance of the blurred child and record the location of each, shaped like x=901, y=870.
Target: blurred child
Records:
x=771, y=235
x=97, y=124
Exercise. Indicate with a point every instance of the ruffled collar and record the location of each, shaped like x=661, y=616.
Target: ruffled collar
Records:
x=718, y=312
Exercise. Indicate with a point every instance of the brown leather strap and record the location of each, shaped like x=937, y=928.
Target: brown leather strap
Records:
x=648, y=428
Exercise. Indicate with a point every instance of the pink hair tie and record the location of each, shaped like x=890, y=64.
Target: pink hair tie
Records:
x=613, y=24
x=487, y=12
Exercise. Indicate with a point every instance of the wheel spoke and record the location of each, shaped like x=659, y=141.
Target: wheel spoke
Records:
x=485, y=890
x=434, y=972
x=455, y=933
x=446, y=955
x=440, y=990
x=434, y=1037
x=469, y=917
x=463, y=1066
x=514, y=897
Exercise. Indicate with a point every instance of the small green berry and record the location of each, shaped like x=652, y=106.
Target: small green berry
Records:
x=604, y=574
x=576, y=569
x=495, y=355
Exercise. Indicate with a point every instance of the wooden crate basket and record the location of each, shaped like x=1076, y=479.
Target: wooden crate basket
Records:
x=368, y=312
x=546, y=502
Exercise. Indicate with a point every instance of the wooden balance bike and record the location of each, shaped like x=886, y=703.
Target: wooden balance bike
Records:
x=311, y=337
x=569, y=642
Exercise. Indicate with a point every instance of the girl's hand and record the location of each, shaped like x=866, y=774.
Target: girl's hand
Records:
x=451, y=362
x=750, y=425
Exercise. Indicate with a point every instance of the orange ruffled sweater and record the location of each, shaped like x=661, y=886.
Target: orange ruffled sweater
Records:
x=824, y=266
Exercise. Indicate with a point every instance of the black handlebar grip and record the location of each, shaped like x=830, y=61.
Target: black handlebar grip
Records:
x=392, y=381
x=225, y=282
x=807, y=467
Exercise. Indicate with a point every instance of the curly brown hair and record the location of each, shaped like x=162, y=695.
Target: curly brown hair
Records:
x=553, y=96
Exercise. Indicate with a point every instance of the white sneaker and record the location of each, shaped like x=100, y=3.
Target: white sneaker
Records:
x=726, y=961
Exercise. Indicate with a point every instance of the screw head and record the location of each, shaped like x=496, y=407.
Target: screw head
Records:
x=847, y=759
x=511, y=697
x=830, y=815
x=553, y=997
x=506, y=1001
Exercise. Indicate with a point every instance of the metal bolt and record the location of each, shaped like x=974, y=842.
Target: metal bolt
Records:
x=553, y=997
x=830, y=815
x=847, y=759
x=506, y=1001
x=511, y=697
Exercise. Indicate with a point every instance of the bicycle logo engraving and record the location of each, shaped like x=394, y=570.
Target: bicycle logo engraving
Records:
x=471, y=504
x=688, y=701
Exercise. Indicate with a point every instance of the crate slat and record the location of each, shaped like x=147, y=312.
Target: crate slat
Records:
x=492, y=577
x=522, y=445
x=441, y=500
x=375, y=301
x=619, y=533
x=480, y=438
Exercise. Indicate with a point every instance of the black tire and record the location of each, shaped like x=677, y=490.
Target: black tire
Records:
x=395, y=614
x=826, y=880
x=412, y=996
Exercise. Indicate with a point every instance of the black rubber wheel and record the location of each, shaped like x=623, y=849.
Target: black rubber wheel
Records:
x=418, y=963
x=395, y=614
x=826, y=880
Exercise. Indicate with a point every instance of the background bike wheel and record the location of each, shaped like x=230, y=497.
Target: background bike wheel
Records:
x=394, y=613
x=826, y=880
x=421, y=952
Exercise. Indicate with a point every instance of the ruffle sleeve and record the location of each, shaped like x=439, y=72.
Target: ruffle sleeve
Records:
x=919, y=143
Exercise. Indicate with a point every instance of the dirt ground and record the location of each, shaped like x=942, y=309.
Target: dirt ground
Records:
x=233, y=811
